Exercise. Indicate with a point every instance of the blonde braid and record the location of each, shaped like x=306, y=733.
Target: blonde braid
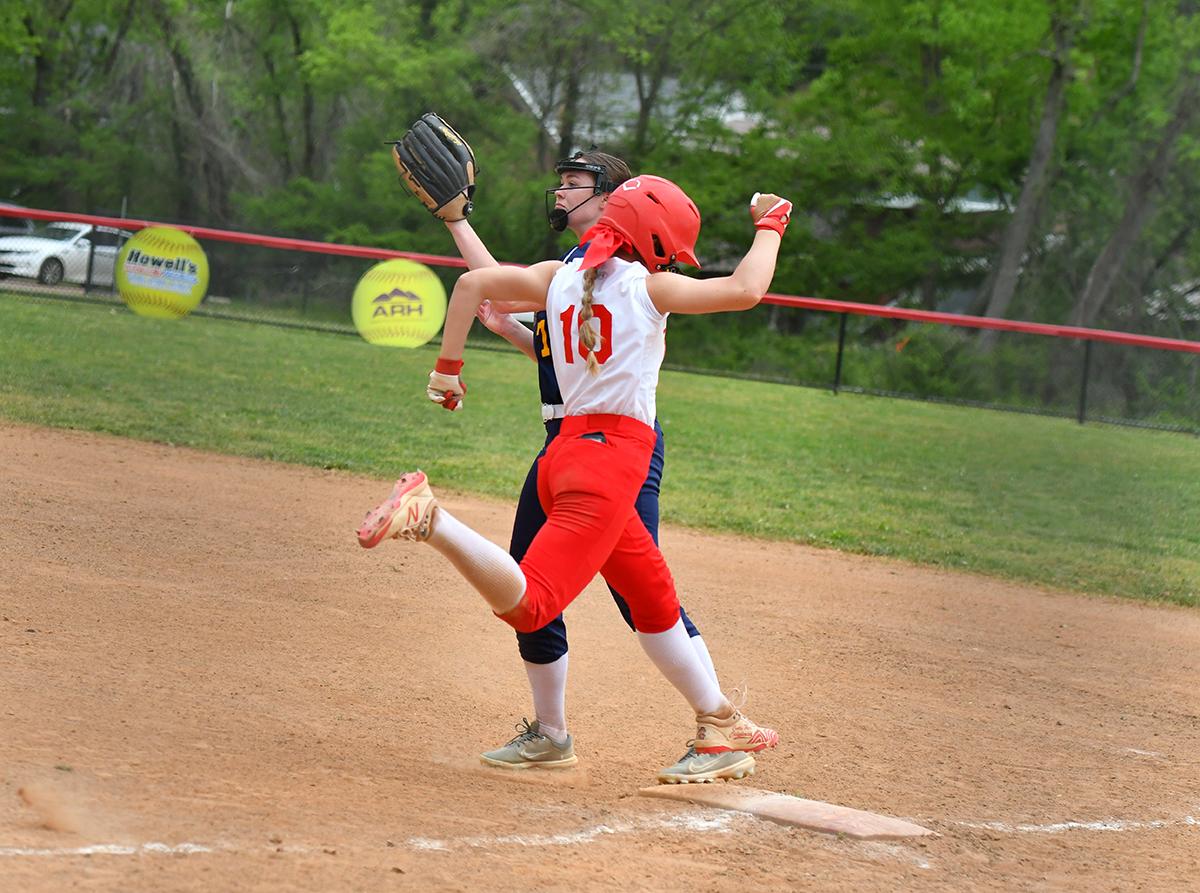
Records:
x=586, y=333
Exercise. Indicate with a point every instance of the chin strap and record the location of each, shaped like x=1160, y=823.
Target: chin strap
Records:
x=559, y=217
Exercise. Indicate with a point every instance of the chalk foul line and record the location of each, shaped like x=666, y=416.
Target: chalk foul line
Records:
x=1060, y=827
x=106, y=850
x=719, y=823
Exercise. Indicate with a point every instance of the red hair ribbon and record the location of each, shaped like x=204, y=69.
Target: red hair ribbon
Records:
x=605, y=242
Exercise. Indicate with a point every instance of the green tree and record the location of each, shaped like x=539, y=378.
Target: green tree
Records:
x=999, y=286
x=920, y=107
x=64, y=100
x=1115, y=218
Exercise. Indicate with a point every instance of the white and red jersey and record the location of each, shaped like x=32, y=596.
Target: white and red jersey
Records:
x=631, y=348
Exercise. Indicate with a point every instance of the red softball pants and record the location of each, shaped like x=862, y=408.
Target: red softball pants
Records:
x=588, y=482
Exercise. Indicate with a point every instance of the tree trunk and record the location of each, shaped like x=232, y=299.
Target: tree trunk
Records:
x=648, y=87
x=1139, y=207
x=196, y=146
x=285, y=153
x=1156, y=264
x=306, y=116
x=570, y=109
x=1138, y=51
x=43, y=63
x=1016, y=237
x=115, y=48
x=185, y=203
x=929, y=286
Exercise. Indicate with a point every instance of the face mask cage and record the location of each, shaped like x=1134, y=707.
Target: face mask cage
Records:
x=559, y=217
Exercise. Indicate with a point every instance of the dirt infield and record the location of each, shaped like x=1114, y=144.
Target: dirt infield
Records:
x=205, y=684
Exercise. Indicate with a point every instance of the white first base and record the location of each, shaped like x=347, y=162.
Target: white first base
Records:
x=809, y=814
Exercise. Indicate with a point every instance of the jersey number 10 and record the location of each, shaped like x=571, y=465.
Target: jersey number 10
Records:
x=600, y=314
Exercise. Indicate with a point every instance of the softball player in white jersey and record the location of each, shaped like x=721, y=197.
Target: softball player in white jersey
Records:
x=586, y=179
x=591, y=474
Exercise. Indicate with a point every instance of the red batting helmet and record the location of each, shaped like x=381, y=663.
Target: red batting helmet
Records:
x=657, y=217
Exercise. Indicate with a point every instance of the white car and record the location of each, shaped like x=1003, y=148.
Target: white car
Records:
x=15, y=226
x=59, y=252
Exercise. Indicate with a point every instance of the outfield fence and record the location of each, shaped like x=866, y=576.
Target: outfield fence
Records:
x=1128, y=378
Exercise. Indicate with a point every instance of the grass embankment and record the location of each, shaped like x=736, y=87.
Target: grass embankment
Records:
x=1043, y=500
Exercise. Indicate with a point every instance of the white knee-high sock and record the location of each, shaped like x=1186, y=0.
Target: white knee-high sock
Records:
x=548, y=682
x=706, y=659
x=482, y=563
x=677, y=660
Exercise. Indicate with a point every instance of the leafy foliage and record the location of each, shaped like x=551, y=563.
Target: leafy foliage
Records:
x=903, y=131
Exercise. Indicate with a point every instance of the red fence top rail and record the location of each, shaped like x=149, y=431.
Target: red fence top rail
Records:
x=822, y=304
x=222, y=235
x=984, y=322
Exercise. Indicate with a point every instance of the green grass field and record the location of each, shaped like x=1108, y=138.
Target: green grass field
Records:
x=1090, y=508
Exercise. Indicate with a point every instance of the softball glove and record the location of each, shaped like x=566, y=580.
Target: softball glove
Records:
x=438, y=167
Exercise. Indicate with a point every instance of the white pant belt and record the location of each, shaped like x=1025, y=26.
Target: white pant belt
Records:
x=553, y=411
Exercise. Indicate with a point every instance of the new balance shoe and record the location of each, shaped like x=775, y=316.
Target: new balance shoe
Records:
x=734, y=733
x=407, y=513
x=532, y=750
x=705, y=767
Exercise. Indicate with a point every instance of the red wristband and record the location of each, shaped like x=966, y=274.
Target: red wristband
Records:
x=448, y=367
x=772, y=223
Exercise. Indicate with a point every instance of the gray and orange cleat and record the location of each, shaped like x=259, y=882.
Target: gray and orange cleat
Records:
x=407, y=513
x=532, y=750
x=695, y=767
x=733, y=733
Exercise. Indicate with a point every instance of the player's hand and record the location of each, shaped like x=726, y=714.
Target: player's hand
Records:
x=770, y=212
x=492, y=319
x=446, y=385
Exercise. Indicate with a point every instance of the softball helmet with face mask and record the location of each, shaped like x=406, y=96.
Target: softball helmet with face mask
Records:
x=651, y=216
x=559, y=217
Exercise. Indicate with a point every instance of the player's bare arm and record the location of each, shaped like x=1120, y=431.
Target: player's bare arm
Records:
x=524, y=288
x=510, y=289
x=741, y=290
x=746, y=286
x=477, y=256
x=470, y=246
x=507, y=327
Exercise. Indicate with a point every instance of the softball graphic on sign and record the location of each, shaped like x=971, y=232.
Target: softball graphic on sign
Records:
x=399, y=303
x=162, y=272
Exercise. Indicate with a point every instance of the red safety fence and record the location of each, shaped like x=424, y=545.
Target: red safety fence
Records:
x=271, y=290
x=223, y=235
x=983, y=322
x=975, y=322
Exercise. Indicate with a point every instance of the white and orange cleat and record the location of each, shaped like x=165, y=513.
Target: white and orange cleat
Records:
x=407, y=513
x=735, y=732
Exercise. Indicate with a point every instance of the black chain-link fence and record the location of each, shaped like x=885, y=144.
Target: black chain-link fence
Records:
x=868, y=351
x=1074, y=378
